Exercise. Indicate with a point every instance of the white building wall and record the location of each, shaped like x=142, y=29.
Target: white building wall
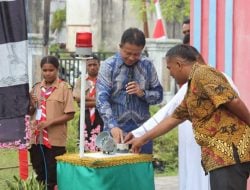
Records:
x=77, y=20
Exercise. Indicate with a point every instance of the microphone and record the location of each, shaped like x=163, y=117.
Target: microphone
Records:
x=130, y=74
x=130, y=79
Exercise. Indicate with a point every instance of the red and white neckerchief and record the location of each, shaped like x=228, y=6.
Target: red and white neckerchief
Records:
x=91, y=94
x=45, y=93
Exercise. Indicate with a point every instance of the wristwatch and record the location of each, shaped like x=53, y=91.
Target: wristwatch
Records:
x=141, y=94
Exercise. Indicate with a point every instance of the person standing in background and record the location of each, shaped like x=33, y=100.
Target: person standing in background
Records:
x=186, y=39
x=93, y=121
x=186, y=32
x=127, y=85
x=51, y=107
x=186, y=27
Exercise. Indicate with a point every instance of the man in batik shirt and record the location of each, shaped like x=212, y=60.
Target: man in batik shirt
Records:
x=220, y=120
x=127, y=84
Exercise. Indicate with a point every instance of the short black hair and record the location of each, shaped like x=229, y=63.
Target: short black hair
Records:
x=187, y=21
x=195, y=51
x=186, y=39
x=133, y=36
x=198, y=56
x=95, y=57
x=182, y=51
x=51, y=60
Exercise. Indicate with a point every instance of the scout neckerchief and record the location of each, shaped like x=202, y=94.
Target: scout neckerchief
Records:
x=45, y=93
x=91, y=94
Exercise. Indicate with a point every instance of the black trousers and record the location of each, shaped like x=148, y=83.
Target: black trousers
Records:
x=232, y=177
x=37, y=155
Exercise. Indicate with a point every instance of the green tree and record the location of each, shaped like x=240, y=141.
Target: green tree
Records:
x=175, y=10
x=166, y=150
x=59, y=17
x=172, y=10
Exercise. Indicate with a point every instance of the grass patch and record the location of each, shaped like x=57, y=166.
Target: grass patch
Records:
x=9, y=158
x=9, y=166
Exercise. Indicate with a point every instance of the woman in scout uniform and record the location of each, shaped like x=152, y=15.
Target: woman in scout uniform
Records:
x=51, y=107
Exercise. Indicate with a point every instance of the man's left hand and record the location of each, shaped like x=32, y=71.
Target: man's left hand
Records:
x=134, y=88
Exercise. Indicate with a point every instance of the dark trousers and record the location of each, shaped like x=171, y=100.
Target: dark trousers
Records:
x=232, y=177
x=39, y=155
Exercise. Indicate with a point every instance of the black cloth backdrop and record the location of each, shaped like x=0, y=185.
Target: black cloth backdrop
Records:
x=14, y=88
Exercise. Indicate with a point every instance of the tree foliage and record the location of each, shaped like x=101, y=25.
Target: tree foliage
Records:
x=59, y=17
x=172, y=10
x=175, y=10
x=139, y=8
x=166, y=150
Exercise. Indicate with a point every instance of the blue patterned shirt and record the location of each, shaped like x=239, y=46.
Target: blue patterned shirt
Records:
x=116, y=107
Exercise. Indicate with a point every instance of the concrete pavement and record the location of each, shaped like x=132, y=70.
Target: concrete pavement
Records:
x=166, y=183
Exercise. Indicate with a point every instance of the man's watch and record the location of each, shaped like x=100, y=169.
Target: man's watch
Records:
x=141, y=94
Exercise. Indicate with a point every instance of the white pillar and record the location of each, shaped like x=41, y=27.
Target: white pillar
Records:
x=77, y=20
x=157, y=49
x=82, y=106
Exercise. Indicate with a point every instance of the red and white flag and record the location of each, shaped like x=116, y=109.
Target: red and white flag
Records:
x=159, y=31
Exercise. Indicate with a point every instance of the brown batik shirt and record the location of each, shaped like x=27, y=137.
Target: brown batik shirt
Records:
x=216, y=129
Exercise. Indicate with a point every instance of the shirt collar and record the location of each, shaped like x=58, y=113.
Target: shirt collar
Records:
x=54, y=84
x=194, y=67
x=120, y=62
x=88, y=78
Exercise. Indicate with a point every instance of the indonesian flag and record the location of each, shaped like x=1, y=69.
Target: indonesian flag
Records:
x=159, y=31
x=14, y=89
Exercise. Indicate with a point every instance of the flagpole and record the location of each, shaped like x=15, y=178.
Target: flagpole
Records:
x=159, y=31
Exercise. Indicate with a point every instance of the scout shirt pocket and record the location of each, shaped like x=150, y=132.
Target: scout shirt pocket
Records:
x=54, y=106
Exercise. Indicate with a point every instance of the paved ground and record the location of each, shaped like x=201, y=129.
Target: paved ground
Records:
x=166, y=183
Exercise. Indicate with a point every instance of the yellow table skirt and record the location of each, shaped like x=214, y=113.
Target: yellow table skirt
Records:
x=96, y=171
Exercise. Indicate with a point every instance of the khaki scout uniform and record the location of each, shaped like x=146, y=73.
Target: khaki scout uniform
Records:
x=57, y=104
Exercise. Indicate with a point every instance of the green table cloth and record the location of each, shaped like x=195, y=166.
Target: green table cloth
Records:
x=96, y=171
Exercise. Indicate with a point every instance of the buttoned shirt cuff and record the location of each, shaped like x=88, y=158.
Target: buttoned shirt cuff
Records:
x=147, y=126
x=139, y=131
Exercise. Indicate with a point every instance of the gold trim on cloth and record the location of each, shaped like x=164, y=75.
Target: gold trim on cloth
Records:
x=102, y=160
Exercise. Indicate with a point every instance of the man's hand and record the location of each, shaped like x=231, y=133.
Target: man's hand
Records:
x=137, y=143
x=43, y=125
x=128, y=137
x=117, y=134
x=134, y=88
